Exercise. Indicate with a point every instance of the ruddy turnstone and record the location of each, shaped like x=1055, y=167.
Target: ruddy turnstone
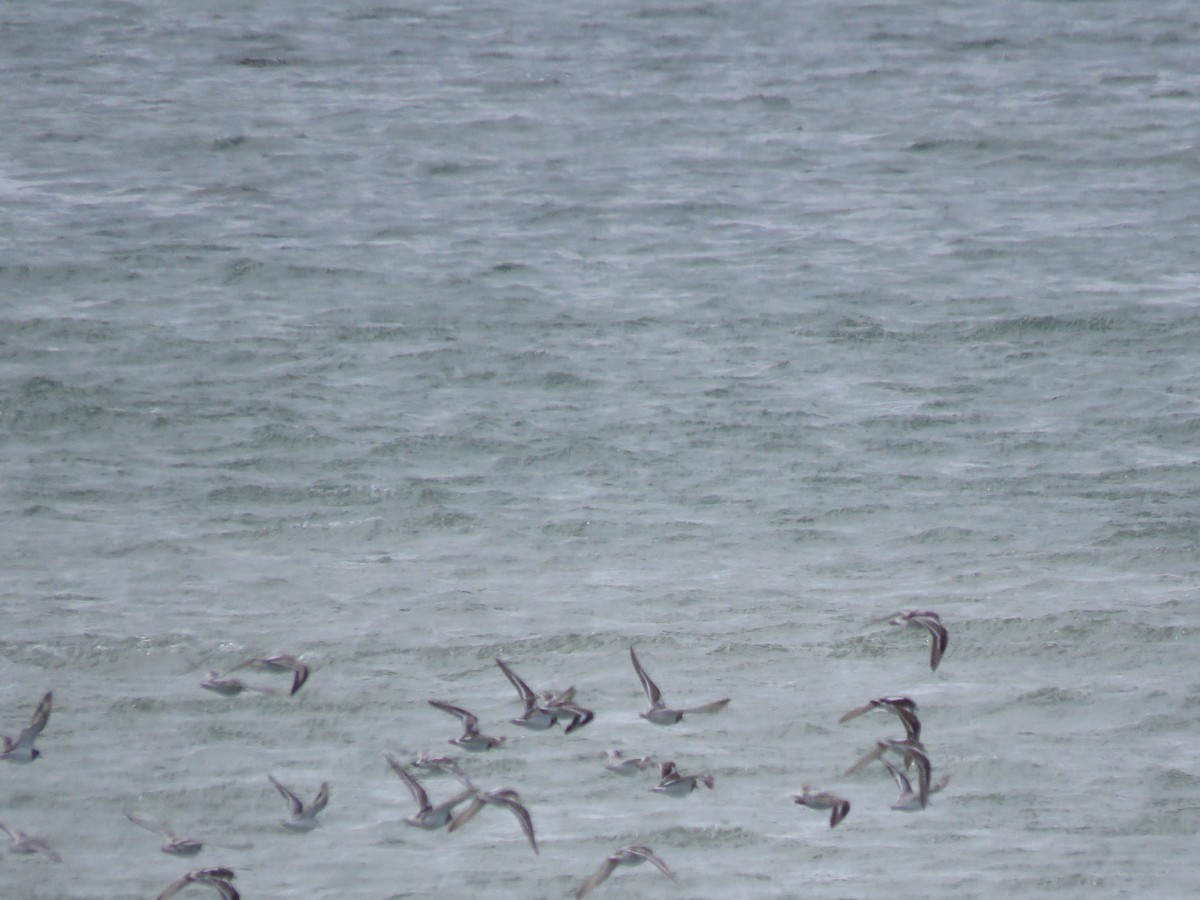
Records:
x=303, y=818
x=544, y=710
x=910, y=751
x=217, y=879
x=910, y=800
x=176, y=845
x=658, y=713
x=24, y=843
x=822, y=800
x=931, y=622
x=281, y=662
x=624, y=765
x=505, y=797
x=229, y=687
x=428, y=815
x=905, y=709
x=626, y=856
x=470, y=740
x=22, y=750
x=677, y=785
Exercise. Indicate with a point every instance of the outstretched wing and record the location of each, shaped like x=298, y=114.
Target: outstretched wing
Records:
x=470, y=720
x=522, y=814
x=321, y=800
x=653, y=694
x=708, y=707
x=414, y=786
x=295, y=804
x=650, y=856
x=939, y=638
x=598, y=878
x=523, y=690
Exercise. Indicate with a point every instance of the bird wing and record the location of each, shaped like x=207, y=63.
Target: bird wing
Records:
x=414, y=786
x=149, y=826
x=598, y=878
x=321, y=800
x=653, y=694
x=295, y=804
x=470, y=720
x=650, y=856
x=939, y=638
x=523, y=690
x=522, y=814
x=708, y=707
x=841, y=809
x=467, y=814
x=41, y=716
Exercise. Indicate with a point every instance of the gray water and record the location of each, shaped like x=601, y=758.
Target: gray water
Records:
x=403, y=337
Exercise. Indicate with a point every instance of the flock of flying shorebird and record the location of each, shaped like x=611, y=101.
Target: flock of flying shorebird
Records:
x=543, y=710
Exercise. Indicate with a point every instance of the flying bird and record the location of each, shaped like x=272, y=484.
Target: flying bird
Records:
x=21, y=750
x=470, y=740
x=304, y=818
x=626, y=856
x=659, y=713
x=217, y=878
x=839, y=807
x=939, y=640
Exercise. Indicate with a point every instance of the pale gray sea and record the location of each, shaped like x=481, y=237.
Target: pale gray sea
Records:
x=403, y=336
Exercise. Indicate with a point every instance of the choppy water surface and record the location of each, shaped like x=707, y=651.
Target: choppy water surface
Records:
x=403, y=337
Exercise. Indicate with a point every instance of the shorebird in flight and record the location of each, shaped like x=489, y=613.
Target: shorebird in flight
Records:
x=939, y=640
x=304, y=818
x=281, y=662
x=218, y=879
x=905, y=709
x=428, y=815
x=21, y=750
x=626, y=856
x=24, y=843
x=910, y=800
x=505, y=797
x=676, y=784
x=229, y=687
x=839, y=807
x=910, y=751
x=624, y=765
x=544, y=710
x=470, y=740
x=176, y=845
x=659, y=713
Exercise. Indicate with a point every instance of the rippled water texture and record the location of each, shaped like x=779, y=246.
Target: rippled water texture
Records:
x=404, y=337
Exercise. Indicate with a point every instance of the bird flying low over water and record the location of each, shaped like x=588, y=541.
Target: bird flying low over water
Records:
x=839, y=807
x=659, y=713
x=470, y=740
x=281, y=662
x=677, y=785
x=304, y=818
x=217, y=878
x=544, y=710
x=176, y=845
x=626, y=856
x=428, y=815
x=905, y=709
x=625, y=765
x=910, y=800
x=505, y=797
x=230, y=687
x=21, y=750
x=910, y=751
x=939, y=640
x=24, y=843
